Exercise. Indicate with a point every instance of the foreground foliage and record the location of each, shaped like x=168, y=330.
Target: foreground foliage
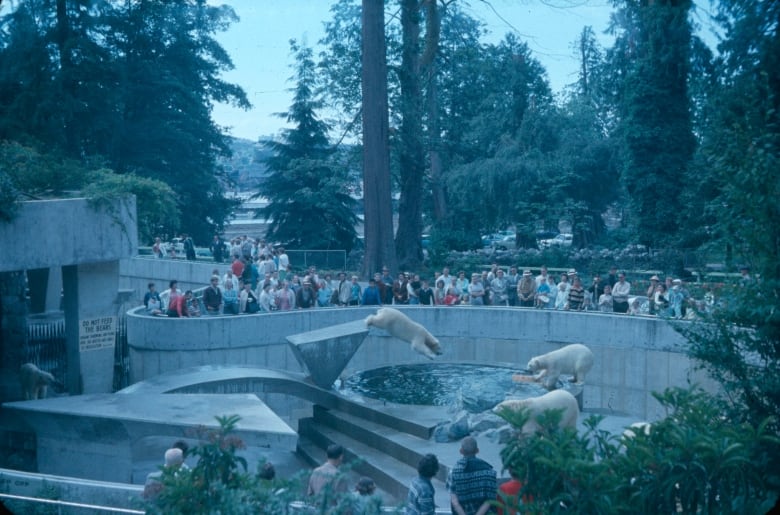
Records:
x=695, y=460
x=220, y=482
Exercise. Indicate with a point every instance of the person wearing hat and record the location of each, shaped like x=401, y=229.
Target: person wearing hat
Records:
x=472, y=481
x=651, y=294
x=676, y=299
x=306, y=297
x=526, y=290
x=576, y=299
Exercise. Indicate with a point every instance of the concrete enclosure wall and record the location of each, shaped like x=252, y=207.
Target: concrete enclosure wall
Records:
x=634, y=356
x=49, y=233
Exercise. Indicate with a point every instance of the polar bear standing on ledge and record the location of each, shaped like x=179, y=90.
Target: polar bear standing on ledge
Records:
x=403, y=328
x=34, y=381
x=555, y=400
x=575, y=359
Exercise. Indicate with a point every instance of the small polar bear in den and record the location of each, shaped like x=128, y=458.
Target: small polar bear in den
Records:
x=35, y=381
x=575, y=359
x=404, y=328
x=554, y=400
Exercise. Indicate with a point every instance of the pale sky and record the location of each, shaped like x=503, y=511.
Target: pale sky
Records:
x=259, y=47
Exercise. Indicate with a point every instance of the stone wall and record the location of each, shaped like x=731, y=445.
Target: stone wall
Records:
x=634, y=356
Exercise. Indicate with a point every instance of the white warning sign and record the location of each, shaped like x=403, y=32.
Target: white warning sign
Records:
x=97, y=333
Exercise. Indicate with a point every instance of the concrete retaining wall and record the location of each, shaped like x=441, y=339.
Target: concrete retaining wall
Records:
x=136, y=273
x=49, y=233
x=634, y=356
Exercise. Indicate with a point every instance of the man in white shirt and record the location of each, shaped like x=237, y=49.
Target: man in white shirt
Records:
x=620, y=293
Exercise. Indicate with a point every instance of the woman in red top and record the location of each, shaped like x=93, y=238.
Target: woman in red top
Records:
x=509, y=501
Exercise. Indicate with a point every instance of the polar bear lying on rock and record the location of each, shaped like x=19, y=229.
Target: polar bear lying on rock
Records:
x=575, y=359
x=35, y=381
x=403, y=328
x=555, y=400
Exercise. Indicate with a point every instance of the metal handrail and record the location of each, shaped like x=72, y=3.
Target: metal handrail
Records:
x=71, y=504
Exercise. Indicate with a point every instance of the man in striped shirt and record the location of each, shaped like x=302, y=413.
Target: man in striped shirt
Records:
x=471, y=482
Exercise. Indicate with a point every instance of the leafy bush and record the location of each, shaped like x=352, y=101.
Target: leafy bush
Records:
x=692, y=461
x=221, y=483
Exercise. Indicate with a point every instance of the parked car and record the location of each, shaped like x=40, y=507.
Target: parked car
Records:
x=488, y=240
x=562, y=240
x=545, y=235
x=505, y=243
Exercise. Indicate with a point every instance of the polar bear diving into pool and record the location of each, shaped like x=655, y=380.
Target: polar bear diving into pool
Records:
x=575, y=359
x=555, y=400
x=403, y=328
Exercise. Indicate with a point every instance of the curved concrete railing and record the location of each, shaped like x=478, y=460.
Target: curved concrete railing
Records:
x=634, y=356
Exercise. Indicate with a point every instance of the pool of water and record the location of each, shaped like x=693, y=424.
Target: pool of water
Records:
x=476, y=387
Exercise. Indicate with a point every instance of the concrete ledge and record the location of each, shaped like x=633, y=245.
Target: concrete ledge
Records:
x=517, y=324
x=93, y=436
x=218, y=380
x=73, y=231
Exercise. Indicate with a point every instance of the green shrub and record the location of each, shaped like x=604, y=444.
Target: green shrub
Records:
x=220, y=483
x=692, y=461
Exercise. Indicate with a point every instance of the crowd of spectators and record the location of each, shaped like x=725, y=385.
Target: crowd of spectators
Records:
x=261, y=279
x=253, y=285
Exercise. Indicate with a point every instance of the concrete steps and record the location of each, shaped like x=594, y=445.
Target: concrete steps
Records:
x=402, y=446
x=386, y=455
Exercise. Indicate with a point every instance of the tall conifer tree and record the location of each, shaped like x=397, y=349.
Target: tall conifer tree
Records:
x=309, y=202
x=656, y=126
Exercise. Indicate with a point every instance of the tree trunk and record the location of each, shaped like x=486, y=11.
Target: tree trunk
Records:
x=66, y=75
x=438, y=186
x=408, y=242
x=377, y=199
